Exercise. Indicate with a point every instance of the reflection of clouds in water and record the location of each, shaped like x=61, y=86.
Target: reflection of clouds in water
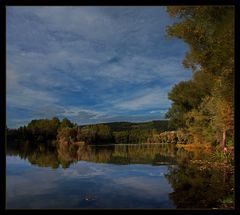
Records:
x=108, y=183
x=83, y=170
x=147, y=170
x=138, y=179
x=31, y=183
x=44, y=180
x=161, y=174
x=152, y=186
x=16, y=160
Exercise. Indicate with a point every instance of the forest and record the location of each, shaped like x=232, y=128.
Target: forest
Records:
x=43, y=130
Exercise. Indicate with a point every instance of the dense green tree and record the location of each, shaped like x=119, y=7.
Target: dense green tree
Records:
x=66, y=123
x=95, y=134
x=209, y=30
x=206, y=107
x=185, y=96
x=104, y=134
x=43, y=129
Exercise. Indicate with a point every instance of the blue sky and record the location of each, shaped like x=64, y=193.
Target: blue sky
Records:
x=90, y=64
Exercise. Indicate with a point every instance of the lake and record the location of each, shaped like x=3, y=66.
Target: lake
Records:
x=114, y=176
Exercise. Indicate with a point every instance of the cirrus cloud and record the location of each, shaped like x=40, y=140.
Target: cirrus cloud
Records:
x=91, y=64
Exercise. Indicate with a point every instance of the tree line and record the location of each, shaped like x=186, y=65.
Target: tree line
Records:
x=47, y=130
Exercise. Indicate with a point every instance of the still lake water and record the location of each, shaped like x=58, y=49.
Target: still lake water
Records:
x=133, y=176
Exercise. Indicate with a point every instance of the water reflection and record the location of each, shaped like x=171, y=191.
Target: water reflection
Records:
x=48, y=155
x=114, y=176
x=199, y=188
x=200, y=182
x=88, y=185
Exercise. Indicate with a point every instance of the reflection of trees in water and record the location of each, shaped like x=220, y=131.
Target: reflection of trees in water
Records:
x=53, y=154
x=199, y=183
x=145, y=153
x=41, y=154
x=121, y=154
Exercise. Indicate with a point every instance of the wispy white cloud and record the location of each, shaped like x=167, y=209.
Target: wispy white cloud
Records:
x=82, y=114
x=146, y=99
x=157, y=111
x=24, y=97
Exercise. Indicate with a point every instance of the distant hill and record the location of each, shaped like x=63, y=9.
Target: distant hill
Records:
x=159, y=125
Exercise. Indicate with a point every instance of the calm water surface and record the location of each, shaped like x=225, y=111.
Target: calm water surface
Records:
x=134, y=176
